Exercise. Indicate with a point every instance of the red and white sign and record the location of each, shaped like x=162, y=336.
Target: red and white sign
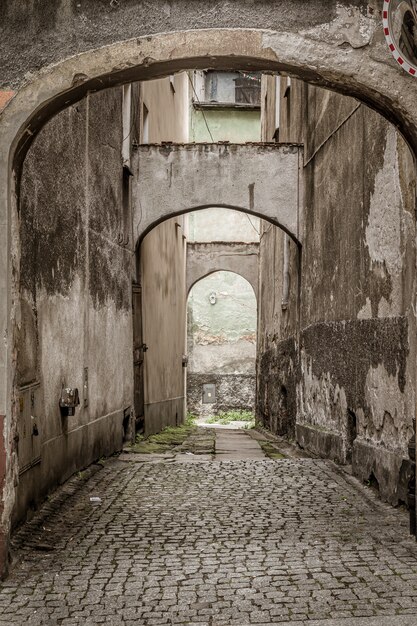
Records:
x=399, y=19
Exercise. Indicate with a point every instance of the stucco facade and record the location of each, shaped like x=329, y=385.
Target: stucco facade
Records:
x=343, y=348
x=75, y=269
x=161, y=259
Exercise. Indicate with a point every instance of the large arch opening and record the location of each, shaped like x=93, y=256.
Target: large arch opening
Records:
x=59, y=88
x=221, y=348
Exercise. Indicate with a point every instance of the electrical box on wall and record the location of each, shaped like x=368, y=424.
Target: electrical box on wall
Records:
x=68, y=401
x=209, y=393
x=28, y=428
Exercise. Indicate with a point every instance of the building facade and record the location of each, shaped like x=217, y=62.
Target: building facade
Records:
x=336, y=362
x=225, y=106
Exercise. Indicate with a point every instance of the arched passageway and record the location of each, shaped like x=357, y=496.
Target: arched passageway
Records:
x=221, y=345
x=204, y=259
x=318, y=45
x=260, y=179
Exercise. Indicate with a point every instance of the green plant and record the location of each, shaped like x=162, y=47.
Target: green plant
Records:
x=234, y=415
x=170, y=437
x=270, y=450
x=191, y=419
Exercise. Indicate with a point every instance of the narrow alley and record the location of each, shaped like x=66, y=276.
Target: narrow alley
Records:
x=208, y=320
x=235, y=538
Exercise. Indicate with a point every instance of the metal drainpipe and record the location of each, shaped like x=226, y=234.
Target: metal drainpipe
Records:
x=286, y=274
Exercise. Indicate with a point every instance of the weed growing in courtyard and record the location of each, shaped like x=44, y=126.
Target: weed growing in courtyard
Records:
x=170, y=437
x=270, y=450
x=191, y=419
x=228, y=417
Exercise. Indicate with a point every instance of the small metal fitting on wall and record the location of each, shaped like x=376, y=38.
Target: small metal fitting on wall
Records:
x=213, y=297
x=68, y=401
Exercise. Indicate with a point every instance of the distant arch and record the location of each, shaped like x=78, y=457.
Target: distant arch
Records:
x=204, y=259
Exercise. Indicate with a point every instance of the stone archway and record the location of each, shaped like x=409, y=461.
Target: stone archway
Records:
x=204, y=259
x=341, y=49
x=221, y=343
x=259, y=178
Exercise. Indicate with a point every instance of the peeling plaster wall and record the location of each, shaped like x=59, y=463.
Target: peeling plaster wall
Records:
x=67, y=28
x=355, y=343
x=277, y=363
x=357, y=354
x=75, y=302
x=221, y=343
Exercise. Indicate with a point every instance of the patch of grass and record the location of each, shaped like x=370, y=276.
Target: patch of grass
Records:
x=270, y=450
x=227, y=417
x=191, y=419
x=170, y=437
x=146, y=447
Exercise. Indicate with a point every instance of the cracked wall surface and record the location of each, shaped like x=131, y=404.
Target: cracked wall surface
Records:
x=67, y=28
x=354, y=341
x=75, y=270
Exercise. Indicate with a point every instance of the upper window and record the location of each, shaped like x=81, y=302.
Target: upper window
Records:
x=233, y=87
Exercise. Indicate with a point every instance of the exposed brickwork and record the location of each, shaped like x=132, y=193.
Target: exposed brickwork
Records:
x=5, y=96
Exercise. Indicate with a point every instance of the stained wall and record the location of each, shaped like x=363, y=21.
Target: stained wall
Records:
x=73, y=327
x=162, y=255
x=348, y=333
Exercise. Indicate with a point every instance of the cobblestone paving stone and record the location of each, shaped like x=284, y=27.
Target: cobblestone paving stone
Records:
x=212, y=543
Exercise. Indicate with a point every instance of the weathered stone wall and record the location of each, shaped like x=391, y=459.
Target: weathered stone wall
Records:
x=277, y=353
x=358, y=375
x=75, y=305
x=205, y=258
x=176, y=178
x=221, y=343
x=354, y=355
x=233, y=392
x=69, y=28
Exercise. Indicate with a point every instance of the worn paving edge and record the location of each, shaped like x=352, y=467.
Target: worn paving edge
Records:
x=30, y=534
x=390, y=620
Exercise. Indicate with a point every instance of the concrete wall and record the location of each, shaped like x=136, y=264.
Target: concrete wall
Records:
x=352, y=355
x=262, y=179
x=162, y=270
x=205, y=258
x=225, y=125
x=217, y=225
x=75, y=269
x=221, y=343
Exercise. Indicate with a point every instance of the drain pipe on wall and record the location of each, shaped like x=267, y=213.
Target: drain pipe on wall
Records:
x=286, y=274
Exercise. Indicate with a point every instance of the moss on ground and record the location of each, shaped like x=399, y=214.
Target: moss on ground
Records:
x=270, y=450
x=180, y=439
x=231, y=416
x=171, y=437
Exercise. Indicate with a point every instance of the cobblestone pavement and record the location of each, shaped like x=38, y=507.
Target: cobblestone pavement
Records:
x=213, y=543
